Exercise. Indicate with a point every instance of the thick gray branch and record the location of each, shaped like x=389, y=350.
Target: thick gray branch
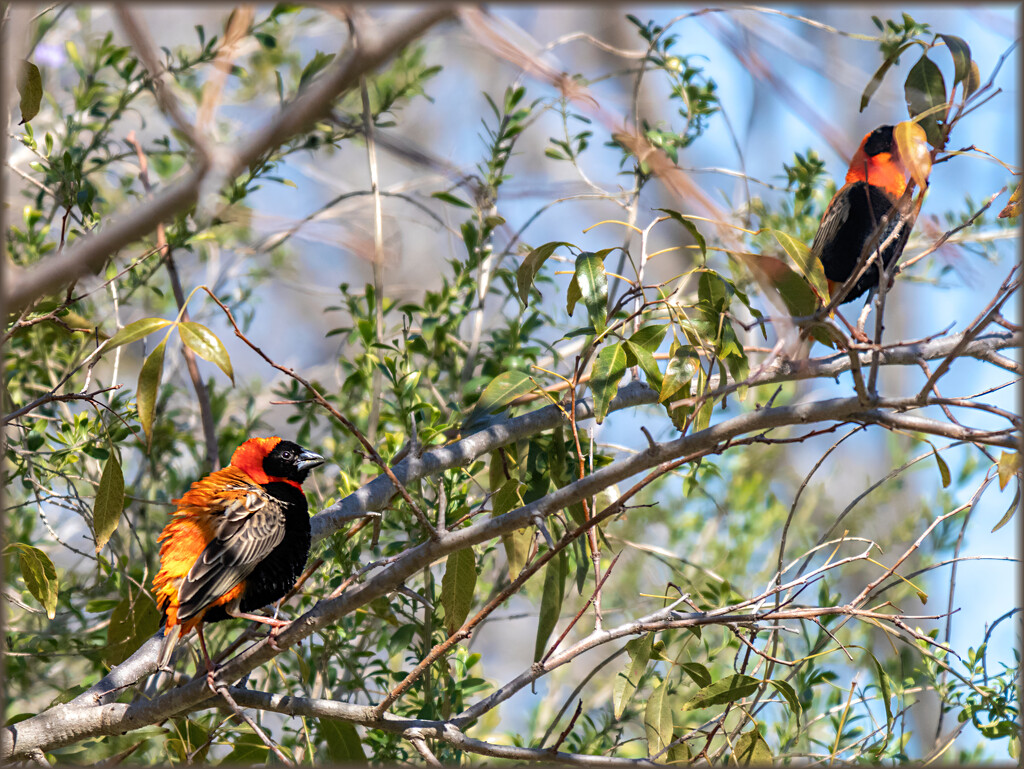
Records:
x=91, y=252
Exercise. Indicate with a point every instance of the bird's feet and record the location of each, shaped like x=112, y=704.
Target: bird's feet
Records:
x=275, y=631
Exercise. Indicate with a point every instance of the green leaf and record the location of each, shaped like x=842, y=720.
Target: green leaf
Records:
x=135, y=331
x=1010, y=511
x=691, y=228
x=779, y=280
x=658, y=720
x=883, y=686
x=248, y=750
x=961, y=53
x=134, y=619
x=504, y=389
x=317, y=63
x=730, y=689
x=592, y=283
x=550, y=602
x=106, y=510
x=30, y=87
x=204, y=343
x=517, y=544
x=682, y=367
x=457, y=588
x=924, y=89
x=752, y=750
x=40, y=576
x=607, y=372
x=697, y=672
x=447, y=197
x=649, y=337
x=879, y=76
x=531, y=265
x=149, y=388
x=647, y=362
x=943, y=468
x=973, y=79
x=639, y=651
x=343, y=743
x=789, y=694
x=808, y=264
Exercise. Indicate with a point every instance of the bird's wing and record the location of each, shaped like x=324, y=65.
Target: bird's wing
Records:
x=835, y=216
x=249, y=524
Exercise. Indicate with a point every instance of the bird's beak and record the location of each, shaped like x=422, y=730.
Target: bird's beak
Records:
x=308, y=460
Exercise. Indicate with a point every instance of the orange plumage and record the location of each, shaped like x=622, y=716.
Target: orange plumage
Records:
x=237, y=541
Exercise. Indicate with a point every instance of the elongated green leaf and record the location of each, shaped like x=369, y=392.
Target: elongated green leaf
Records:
x=923, y=89
x=609, y=367
x=504, y=389
x=106, y=510
x=148, y=389
x=961, y=53
x=531, y=265
x=343, y=744
x=593, y=287
x=647, y=362
x=204, y=343
x=943, y=468
x=573, y=295
x=658, y=720
x=517, y=544
x=40, y=576
x=133, y=620
x=135, y=331
x=973, y=79
x=247, y=749
x=30, y=88
x=457, y=588
x=879, y=76
x=752, y=750
x=550, y=602
x=883, y=687
x=808, y=264
x=649, y=337
x=780, y=281
x=447, y=197
x=691, y=228
x=1010, y=512
x=789, y=694
x=639, y=651
x=697, y=672
x=730, y=689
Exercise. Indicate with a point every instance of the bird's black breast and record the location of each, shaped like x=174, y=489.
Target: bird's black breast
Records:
x=866, y=206
x=276, y=574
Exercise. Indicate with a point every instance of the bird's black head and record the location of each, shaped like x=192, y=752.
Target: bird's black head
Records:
x=878, y=141
x=290, y=461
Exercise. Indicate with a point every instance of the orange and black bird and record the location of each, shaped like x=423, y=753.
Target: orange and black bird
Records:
x=238, y=540
x=875, y=182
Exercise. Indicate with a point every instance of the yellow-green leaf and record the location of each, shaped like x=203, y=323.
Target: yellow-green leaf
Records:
x=658, y=720
x=809, y=265
x=961, y=53
x=134, y=619
x=592, y=283
x=504, y=389
x=729, y=689
x=531, y=265
x=517, y=544
x=343, y=744
x=148, y=389
x=204, y=343
x=943, y=468
x=609, y=368
x=40, y=576
x=752, y=750
x=912, y=146
x=1009, y=463
x=1010, y=512
x=639, y=651
x=550, y=602
x=135, y=331
x=30, y=87
x=457, y=588
x=106, y=510
x=924, y=89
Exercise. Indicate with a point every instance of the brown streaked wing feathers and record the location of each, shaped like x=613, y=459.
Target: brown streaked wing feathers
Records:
x=250, y=524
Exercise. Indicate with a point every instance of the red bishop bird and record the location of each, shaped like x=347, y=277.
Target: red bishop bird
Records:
x=238, y=541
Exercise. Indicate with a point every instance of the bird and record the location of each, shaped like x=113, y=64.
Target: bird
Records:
x=237, y=541
x=875, y=181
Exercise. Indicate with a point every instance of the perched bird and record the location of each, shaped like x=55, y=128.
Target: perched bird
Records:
x=238, y=541
x=875, y=182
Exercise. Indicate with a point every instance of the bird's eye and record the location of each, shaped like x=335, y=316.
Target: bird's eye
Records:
x=287, y=456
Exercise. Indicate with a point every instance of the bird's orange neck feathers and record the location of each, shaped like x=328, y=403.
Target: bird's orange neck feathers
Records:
x=249, y=459
x=882, y=170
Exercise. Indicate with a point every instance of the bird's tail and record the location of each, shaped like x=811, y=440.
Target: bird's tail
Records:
x=171, y=636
